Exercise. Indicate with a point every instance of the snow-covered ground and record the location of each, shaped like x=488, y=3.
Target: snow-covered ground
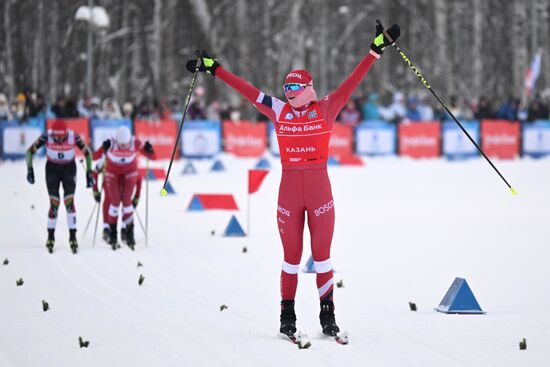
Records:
x=404, y=230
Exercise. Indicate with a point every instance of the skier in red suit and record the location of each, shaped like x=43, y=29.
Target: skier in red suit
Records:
x=303, y=125
x=107, y=201
x=121, y=175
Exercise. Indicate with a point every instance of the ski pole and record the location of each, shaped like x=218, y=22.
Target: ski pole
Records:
x=97, y=214
x=146, y=204
x=429, y=87
x=89, y=220
x=141, y=225
x=93, y=209
x=96, y=221
x=163, y=192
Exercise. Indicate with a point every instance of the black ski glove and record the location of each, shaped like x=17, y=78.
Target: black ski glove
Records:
x=106, y=145
x=384, y=38
x=207, y=64
x=89, y=178
x=30, y=175
x=148, y=148
x=97, y=196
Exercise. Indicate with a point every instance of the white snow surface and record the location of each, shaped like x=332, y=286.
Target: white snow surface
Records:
x=404, y=230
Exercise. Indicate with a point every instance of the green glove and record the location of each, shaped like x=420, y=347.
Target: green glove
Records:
x=207, y=64
x=384, y=38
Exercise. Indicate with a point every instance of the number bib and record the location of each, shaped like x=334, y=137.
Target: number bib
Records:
x=302, y=140
x=61, y=153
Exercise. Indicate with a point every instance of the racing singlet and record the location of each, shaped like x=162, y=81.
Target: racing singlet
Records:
x=61, y=153
x=303, y=140
x=120, y=160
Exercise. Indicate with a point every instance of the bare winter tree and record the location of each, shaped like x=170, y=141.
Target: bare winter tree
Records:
x=464, y=47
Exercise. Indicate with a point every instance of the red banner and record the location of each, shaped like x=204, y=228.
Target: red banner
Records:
x=244, y=138
x=162, y=135
x=255, y=179
x=420, y=139
x=500, y=138
x=78, y=125
x=341, y=141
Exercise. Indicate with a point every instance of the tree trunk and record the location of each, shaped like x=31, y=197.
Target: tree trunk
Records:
x=156, y=45
x=54, y=49
x=477, y=42
x=519, y=56
x=10, y=71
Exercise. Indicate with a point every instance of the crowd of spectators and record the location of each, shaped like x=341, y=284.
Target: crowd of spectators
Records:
x=396, y=108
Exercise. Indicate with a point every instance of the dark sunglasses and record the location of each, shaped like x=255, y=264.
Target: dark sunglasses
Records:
x=293, y=87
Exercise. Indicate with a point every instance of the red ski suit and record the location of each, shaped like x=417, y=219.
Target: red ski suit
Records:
x=107, y=199
x=303, y=137
x=121, y=175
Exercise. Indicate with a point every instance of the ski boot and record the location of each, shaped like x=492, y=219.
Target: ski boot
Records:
x=328, y=321
x=288, y=318
x=73, y=243
x=51, y=241
x=106, y=233
x=113, y=236
x=123, y=232
x=130, y=241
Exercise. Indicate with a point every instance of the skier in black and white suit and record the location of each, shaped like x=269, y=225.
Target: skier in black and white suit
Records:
x=60, y=143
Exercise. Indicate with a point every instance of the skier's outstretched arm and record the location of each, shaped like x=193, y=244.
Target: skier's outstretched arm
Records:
x=102, y=149
x=267, y=105
x=333, y=103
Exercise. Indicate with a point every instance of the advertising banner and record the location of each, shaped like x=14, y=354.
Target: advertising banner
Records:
x=201, y=138
x=376, y=137
x=244, y=138
x=456, y=144
x=500, y=138
x=420, y=139
x=341, y=141
x=161, y=134
x=536, y=138
x=103, y=129
x=17, y=138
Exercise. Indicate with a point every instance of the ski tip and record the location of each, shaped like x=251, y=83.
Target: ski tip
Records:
x=513, y=191
x=163, y=192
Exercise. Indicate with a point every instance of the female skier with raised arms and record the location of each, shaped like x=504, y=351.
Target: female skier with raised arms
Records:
x=303, y=125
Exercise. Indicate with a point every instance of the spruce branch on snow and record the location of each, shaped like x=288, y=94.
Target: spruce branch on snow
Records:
x=340, y=283
x=245, y=250
x=6, y=261
x=223, y=307
x=139, y=265
x=83, y=343
x=412, y=306
x=19, y=282
x=306, y=345
x=523, y=344
x=141, y=279
x=45, y=306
